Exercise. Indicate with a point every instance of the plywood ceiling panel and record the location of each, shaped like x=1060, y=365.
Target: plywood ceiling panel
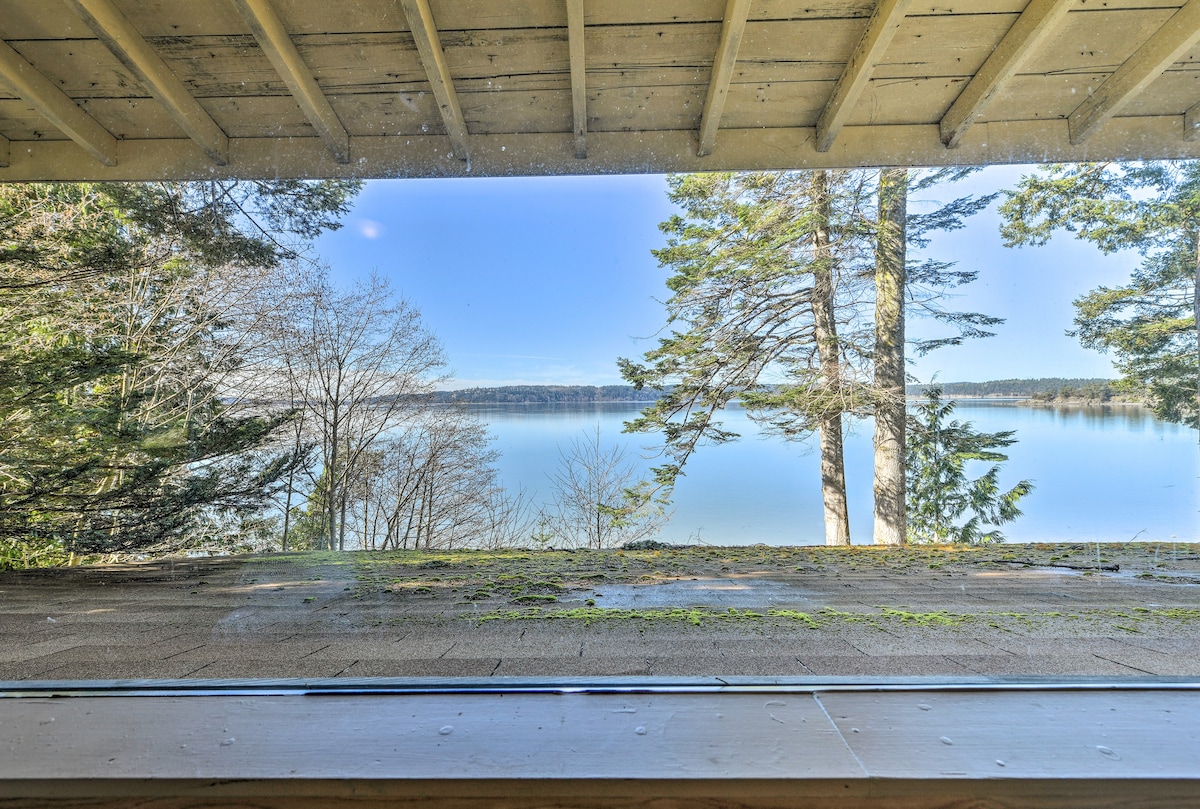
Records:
x=646, y=73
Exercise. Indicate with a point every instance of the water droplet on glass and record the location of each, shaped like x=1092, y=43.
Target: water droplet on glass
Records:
x=947, y=740
x=639, y=730
x=925, y=707
x=446, y=730
x=228, y=742
x=1108, y=752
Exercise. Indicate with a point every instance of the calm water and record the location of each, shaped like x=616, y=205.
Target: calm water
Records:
x=1101, y=473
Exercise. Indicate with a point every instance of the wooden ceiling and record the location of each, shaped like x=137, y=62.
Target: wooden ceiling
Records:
x=149, y=89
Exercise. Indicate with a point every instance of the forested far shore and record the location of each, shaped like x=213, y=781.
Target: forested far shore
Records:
x=550, y=394
x=1047, y=389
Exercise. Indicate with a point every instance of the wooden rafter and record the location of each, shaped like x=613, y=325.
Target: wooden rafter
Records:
x=732, y=28
x=277, y=44
x=1191, y=123
x=578, y=75
x=429, y=46
x=1028, y=33
x=44, y=96
x=136, y=54
x=885, y=20
x=1165, y=47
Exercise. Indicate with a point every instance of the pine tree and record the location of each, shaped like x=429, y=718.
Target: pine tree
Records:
x=122, y=315
x=767, y=280
x=944, y=503
x=1150, y=324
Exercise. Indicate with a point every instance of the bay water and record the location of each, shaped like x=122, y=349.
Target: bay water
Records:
x=1101, y=473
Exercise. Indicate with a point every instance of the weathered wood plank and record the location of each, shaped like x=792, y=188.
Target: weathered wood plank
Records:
x=882, y=27
x=517, y=735
x=184, y=18
x=429, y=45
x=58, y=108
x=21, y=122
x=1162, y=50
x=132, y=50
x=732, y=28
x=1095, y=40
x=1124, y=138
x=277, y=44
x=5, y=151
x=1038, y=735
x=884, y=102
x=771, y=750
x=578, y=52
x=534, y=109
x=628, y=56
x=1029, y=32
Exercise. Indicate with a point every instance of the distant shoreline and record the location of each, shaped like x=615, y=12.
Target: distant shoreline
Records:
x=1035, y=392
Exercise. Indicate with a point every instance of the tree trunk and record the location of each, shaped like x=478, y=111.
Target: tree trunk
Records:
x=833, y=467
x=890, y=257
x=331, y=487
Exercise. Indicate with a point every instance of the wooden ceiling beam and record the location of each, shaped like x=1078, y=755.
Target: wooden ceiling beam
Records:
x=1191, y=123
x=881, y=28
x=277, y=44
x=1164, y=48
x=578, y=75
x=732, y=28
x=429, y=46
x=1027, y=34
x=56, y=106
x=136, y=54
x=615, y=152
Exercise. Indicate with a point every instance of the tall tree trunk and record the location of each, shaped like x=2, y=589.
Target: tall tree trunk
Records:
x=890, y=257
x=331, y=477
x=833, y=466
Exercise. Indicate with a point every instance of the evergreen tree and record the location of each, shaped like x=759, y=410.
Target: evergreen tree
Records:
x=767, y=279
x=1151, y=323
x=773, y=274
x=944, y=504
x=122, y=350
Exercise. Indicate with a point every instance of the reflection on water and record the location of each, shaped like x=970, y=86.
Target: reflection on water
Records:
x=1102, y=472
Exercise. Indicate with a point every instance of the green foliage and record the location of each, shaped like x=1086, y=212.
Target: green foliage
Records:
x=555, y=394
x=1148, y=324
x=742, y=309
x=944, y=504
x=740, y=316
x=1042, y=388
x=117, y=329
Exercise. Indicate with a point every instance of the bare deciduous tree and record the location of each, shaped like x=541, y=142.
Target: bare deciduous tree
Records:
x=359, y=362
x=591, y=508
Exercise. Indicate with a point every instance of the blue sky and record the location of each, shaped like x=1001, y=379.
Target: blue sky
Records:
x=549, y=280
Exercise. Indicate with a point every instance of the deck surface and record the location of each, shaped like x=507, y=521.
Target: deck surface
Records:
x=699, y=612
